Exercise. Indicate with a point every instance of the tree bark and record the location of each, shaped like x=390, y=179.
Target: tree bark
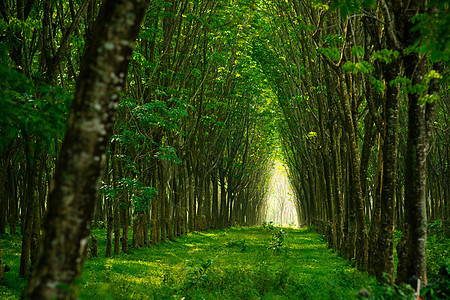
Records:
x=70, y=204
x=414, y=262
x=358, y=201
x=30, y=208
x=2, y=273
x=412, y=247
x=384, y=256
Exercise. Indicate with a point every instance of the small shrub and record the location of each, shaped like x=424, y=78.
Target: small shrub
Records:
x=268, y=225
x=196, y=274
x=277, y=241
x=311, y=228
x=392, y=292
x=439, y=289
x=237, y=244
x=437, y=228
x=438, y=252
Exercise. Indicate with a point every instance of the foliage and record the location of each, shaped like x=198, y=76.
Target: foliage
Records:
x=196, y=275
x=27, y=109
x=440, y=287
x=437, y=228
x=277, y=237
x=434, y=35
x=267, y=225
x=394, y=292
x=277, y=241
x=438, y=253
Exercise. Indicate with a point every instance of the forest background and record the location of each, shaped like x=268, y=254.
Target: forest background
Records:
x=351, y=95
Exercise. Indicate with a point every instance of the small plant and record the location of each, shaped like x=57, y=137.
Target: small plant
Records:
x=437, y=227
x=268, y=225
x=386, y=291
x=277, y=241
x=238, y=244
x=439, y=289
x=196, y=274
x=312, y=228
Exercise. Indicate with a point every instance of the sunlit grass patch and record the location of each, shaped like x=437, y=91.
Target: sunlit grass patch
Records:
x=242, y=267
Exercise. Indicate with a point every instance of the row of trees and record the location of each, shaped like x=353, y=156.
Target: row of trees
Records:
x=362, y=89
x=188, y=149
x=178, y=135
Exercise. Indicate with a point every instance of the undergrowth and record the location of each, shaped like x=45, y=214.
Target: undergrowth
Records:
x=230, y=263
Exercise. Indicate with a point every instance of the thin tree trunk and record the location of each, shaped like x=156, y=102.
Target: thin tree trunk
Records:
x=191, y=202
x=162, y=201
x=109, y=226
x=155, y=229
x=215, y=200
x=362, y=242
x=374, y=231
x=12, y=214
x=2, y=273
x=30, y=210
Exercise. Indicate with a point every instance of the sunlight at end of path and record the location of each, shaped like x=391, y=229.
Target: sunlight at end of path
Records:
x=281, y=205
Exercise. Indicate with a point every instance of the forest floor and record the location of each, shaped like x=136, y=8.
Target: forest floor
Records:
x=232, y=263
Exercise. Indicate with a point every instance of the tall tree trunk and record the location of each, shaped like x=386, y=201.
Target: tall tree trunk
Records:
x=414, y=263
x=207, y=201
x=191, y=200
x=362, y=243
x=155, y=230
x=70, y=203
x=184, y=199
x=12, y=213
x=384, y=258
x=124, y=212
x=223, y=199
x=412, y=247
x=374, y=230
x=215, y=200
x=30, y=208
x=116, y=201
x=109, y=226
x=2, y=273
x=162, y=201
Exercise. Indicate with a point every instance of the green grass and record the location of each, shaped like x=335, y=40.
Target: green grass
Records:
x=242, y=268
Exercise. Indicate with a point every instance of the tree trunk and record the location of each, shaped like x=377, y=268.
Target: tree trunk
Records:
x=207, y=201
x=215, y=200
x=70, y=203
x=362, y=243
x=12, y=213
x=414, y=263
x=109, y=226
x=124, y=212
x=190, y=183
x=374, y=230
x=30, y=209
x=155, y=229
x=412, y=256
x=384, y=258
x=2, y=273
x=162, y=201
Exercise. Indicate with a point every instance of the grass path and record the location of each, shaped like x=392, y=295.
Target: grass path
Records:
x=242, y=268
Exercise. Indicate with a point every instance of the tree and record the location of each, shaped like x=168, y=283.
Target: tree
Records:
x=2, y=271
x=71, y=202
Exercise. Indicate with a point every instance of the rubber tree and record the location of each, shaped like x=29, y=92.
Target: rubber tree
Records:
x=72, y=198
